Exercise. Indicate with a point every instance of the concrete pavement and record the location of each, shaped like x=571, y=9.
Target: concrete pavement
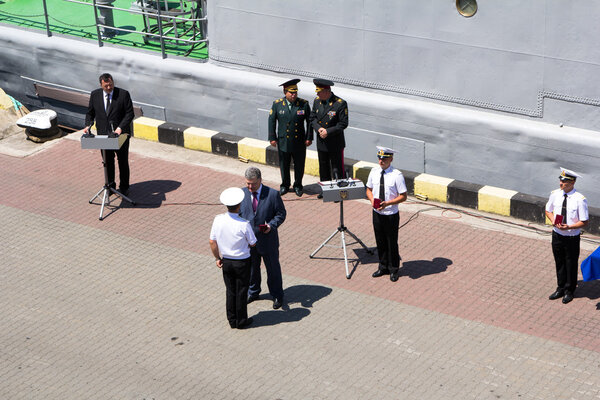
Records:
x=132, y=307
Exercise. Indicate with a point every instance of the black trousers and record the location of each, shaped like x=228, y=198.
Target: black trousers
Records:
x=236, y=274
x=566, y=257
x=386, y=237
x=285, y=159
x=123, y=160
x=329, y=160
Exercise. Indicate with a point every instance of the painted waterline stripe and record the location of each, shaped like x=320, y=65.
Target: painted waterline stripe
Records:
x=431, y=187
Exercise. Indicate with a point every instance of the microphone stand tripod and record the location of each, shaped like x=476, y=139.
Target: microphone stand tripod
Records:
x=342, y=229
x=107, y=189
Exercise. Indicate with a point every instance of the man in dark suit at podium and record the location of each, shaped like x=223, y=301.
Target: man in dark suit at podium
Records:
x=112, y=110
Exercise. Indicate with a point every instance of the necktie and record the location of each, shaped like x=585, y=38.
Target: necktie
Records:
x=381, y=187
x=254, y=201
x=107, y=102
x=563, y=212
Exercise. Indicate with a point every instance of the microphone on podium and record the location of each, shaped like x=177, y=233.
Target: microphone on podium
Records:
x=340, y=182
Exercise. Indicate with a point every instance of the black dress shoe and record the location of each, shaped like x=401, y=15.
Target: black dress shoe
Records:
x=251, y=298
x=277, y=303
x=320, y=196
x=283, y=190
x=394, y=276
x=298, y=191
x=379, y=273
x=568, y=298
x=246, y=323
x=124, y=192
x=557, y=295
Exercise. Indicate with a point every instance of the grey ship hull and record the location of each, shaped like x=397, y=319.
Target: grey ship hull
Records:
x=490, y=106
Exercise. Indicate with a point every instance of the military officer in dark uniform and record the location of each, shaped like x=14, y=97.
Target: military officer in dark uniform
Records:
x=287, y=132
x=329, y=118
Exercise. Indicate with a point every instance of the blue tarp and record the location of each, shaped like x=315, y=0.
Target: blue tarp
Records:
x=590, y=267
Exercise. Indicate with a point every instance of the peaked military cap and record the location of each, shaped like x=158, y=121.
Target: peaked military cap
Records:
x=568, y=175
x=322, y=83
x=232, y=196
x=385, y=152
x=291, y=85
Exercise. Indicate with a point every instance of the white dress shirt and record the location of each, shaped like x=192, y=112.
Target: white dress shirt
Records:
x=577, y=209
x=106, y=97
x=393, y=183
x=233, y=235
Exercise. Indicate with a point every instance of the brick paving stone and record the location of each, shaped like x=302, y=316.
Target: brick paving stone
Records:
x=132, y=307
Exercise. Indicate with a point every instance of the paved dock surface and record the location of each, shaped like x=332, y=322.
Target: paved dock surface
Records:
x=133, y=307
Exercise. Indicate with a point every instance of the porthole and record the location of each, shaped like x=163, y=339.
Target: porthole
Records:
x=466, y=8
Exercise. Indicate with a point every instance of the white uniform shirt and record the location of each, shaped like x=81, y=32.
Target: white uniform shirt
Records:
x=233, y=235
x=577, y=209
x=393, y=183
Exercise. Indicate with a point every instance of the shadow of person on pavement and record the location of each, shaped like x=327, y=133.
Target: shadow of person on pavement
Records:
x=419, y=268
x=306, y=295
x=312, y=189
x=365, y=257
x=590, y=289
x=303, y=295
x=151, y=194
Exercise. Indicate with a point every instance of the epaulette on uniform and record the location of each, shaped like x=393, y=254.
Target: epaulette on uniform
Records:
x=278, y=100
x=339, y=100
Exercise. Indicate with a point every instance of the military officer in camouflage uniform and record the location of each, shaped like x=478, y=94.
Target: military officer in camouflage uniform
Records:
x=329, y=118
x=287, y=132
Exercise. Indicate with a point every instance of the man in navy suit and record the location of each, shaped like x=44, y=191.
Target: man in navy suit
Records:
x=263, y=208
x=112, y=110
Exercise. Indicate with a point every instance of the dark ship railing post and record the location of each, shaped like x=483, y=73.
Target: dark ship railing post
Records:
x=100, y=44
x=46, y=16
x=160, y=31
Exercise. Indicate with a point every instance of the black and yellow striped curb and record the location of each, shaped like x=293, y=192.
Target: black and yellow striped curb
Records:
x=424, y=186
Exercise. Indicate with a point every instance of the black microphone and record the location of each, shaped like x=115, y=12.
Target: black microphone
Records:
x=340, y=183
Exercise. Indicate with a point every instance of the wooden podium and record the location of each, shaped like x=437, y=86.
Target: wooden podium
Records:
x=103, y=143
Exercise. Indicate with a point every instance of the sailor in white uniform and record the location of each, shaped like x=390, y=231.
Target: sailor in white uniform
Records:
x=231, y=237
x=386, y=189
x=568, y=211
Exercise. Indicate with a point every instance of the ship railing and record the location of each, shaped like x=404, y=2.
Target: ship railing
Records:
x=167, y=28
x=81, y=98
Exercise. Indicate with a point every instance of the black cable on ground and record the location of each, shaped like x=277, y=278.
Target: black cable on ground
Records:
x=528, y=227
x=413, y=217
